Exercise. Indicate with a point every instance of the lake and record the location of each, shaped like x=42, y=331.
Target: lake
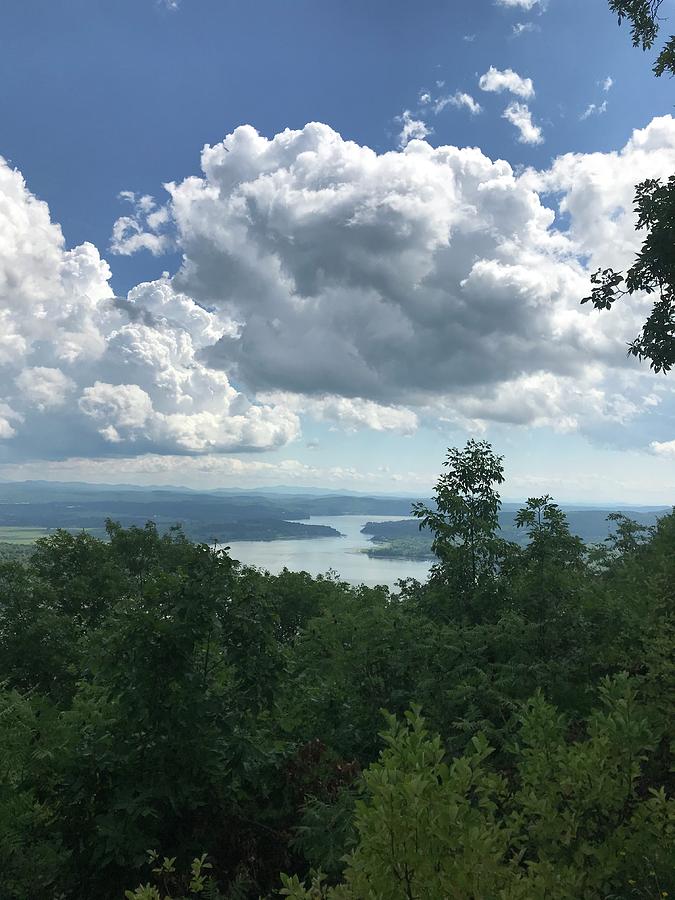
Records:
x=343, y=555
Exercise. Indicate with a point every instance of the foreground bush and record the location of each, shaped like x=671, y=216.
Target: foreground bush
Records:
x=568, y=819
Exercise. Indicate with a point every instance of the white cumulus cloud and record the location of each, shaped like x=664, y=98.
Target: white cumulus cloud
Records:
x=519, y=115
x=7, y=417
x=497, y=81
x=459, y=99
x=351, y=413
x=145, y=229
x=521, y=4
x=43, y=387
x=82, y=369
x=663, y=448
x=322, y=279
x=412, y=128
x=432, y=278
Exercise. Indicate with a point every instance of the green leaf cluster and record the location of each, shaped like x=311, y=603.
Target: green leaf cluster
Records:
x=653, y=271
x=568, y=821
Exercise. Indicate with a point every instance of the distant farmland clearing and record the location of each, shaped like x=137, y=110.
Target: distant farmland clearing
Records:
x=13, y=535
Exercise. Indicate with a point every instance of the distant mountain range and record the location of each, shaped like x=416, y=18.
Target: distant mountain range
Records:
x=16, y=488
x=222, y=514
x=229, y=514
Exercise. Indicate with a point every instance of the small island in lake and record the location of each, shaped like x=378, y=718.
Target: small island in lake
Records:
x=398, y=540
x=403, y=539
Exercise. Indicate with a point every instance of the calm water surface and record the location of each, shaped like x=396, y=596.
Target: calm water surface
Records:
x=341, y=554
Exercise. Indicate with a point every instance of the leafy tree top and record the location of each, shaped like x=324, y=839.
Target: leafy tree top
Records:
x=643, y=16
x=653, y=271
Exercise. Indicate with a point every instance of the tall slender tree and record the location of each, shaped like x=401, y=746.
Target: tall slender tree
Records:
x=465, y=520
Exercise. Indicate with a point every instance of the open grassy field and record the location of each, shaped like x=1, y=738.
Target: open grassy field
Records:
x=14, y=535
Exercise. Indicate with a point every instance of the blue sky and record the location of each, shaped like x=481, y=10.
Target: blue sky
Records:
x=101, y=98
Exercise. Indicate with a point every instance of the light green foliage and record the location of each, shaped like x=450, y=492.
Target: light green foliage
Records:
x=427, y=828
x=581, y=820
x=318, y=889
x=568, y=824
x=197, y=883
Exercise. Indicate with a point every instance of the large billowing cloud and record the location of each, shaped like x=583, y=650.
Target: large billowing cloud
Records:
x=321, y=278
x=396, y=277
x=82, y=371
x=429, y=277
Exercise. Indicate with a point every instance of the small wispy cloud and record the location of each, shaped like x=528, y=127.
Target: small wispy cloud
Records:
x=523, y=28
x=459, y=99
x=519, y=115
x=663, y=448
x=412, y=129
x=593, y=110
x=497, y=80
x=413, y=124
x=606, y=83
x=145, y=229
x=521, y=4
x=469, y=38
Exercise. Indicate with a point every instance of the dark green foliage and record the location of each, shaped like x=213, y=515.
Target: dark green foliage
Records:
x=548, y=573
x=15, y=552
x=156, y=696
x=643, y=16
x=464, y=524
x=32, y=854
x=653, y=272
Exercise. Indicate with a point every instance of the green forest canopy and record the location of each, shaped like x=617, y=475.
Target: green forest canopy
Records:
x=157, y=697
